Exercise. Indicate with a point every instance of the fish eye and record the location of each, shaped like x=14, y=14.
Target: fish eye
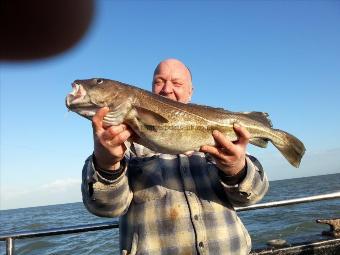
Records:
x=99, y=81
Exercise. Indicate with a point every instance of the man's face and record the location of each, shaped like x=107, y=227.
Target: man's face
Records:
x=172, y=80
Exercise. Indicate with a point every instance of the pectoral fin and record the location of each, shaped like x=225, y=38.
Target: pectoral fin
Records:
x=117, y=114
x=149, y=117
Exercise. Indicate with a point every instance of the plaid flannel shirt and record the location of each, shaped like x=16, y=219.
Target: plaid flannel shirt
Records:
x=174, y=204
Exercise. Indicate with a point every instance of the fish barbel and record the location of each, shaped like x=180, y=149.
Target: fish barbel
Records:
x=171, y=127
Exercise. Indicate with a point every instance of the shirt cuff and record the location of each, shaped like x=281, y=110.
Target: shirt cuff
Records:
x=244, y=185
x=233, y=179
x=109, y=176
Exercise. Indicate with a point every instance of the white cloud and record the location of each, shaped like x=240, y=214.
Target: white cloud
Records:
x=56, y=192
x=61, y=185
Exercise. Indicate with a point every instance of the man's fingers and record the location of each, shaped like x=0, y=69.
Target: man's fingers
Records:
x=222, y=141
x=208, y=149
x=119, y=139
x=112, y=131
x=213, y=151
x=97, y=120
x=242, y=134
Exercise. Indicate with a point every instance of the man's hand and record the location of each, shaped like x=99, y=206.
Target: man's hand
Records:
x=109, y=145
x=230, y=156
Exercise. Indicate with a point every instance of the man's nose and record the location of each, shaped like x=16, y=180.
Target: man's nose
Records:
x=167, y=88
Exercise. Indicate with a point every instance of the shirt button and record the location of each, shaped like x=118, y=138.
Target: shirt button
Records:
x=196, y=217
x=201, y=245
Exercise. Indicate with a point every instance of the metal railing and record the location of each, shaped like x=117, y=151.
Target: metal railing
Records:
x=290, y=202
x=9, y=238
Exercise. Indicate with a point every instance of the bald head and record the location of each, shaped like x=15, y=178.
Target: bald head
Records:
x=175, y=63
x=172, y=79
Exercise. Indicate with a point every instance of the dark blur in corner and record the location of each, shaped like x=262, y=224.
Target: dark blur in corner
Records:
x=38, y=29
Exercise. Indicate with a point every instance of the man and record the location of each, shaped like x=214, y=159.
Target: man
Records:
x=172, y=204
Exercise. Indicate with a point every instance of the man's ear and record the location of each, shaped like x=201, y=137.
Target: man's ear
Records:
x=190, y=93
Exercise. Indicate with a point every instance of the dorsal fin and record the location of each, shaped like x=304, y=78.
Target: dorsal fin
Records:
x=262, y=117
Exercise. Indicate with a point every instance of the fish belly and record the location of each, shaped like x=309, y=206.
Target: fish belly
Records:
x=177, y=140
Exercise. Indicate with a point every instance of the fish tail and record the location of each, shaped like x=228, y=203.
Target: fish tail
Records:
x=290, y=147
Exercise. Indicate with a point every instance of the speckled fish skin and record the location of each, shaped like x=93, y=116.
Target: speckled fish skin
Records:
x=171, y=127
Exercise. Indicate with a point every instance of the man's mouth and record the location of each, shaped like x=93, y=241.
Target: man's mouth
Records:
x=171, y=96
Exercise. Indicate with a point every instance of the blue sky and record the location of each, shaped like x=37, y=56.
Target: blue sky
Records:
x=281, y=57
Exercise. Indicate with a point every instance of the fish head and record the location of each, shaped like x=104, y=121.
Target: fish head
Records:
x=88, y=96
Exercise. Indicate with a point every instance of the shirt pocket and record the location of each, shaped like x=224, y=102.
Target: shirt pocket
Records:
x=146, y=179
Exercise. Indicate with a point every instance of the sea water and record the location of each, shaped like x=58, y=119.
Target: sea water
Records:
x=294, y=223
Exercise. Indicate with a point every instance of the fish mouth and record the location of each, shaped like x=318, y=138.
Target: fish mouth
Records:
x=76, y=96
x=78, y=101
x=85, y=110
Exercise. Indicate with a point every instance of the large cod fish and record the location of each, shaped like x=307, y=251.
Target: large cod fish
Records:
x=167, y=126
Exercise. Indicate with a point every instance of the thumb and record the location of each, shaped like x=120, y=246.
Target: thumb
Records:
x=97, y=120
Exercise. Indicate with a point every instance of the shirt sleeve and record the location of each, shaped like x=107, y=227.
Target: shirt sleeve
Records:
x=105, y=197
x=252, y=188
